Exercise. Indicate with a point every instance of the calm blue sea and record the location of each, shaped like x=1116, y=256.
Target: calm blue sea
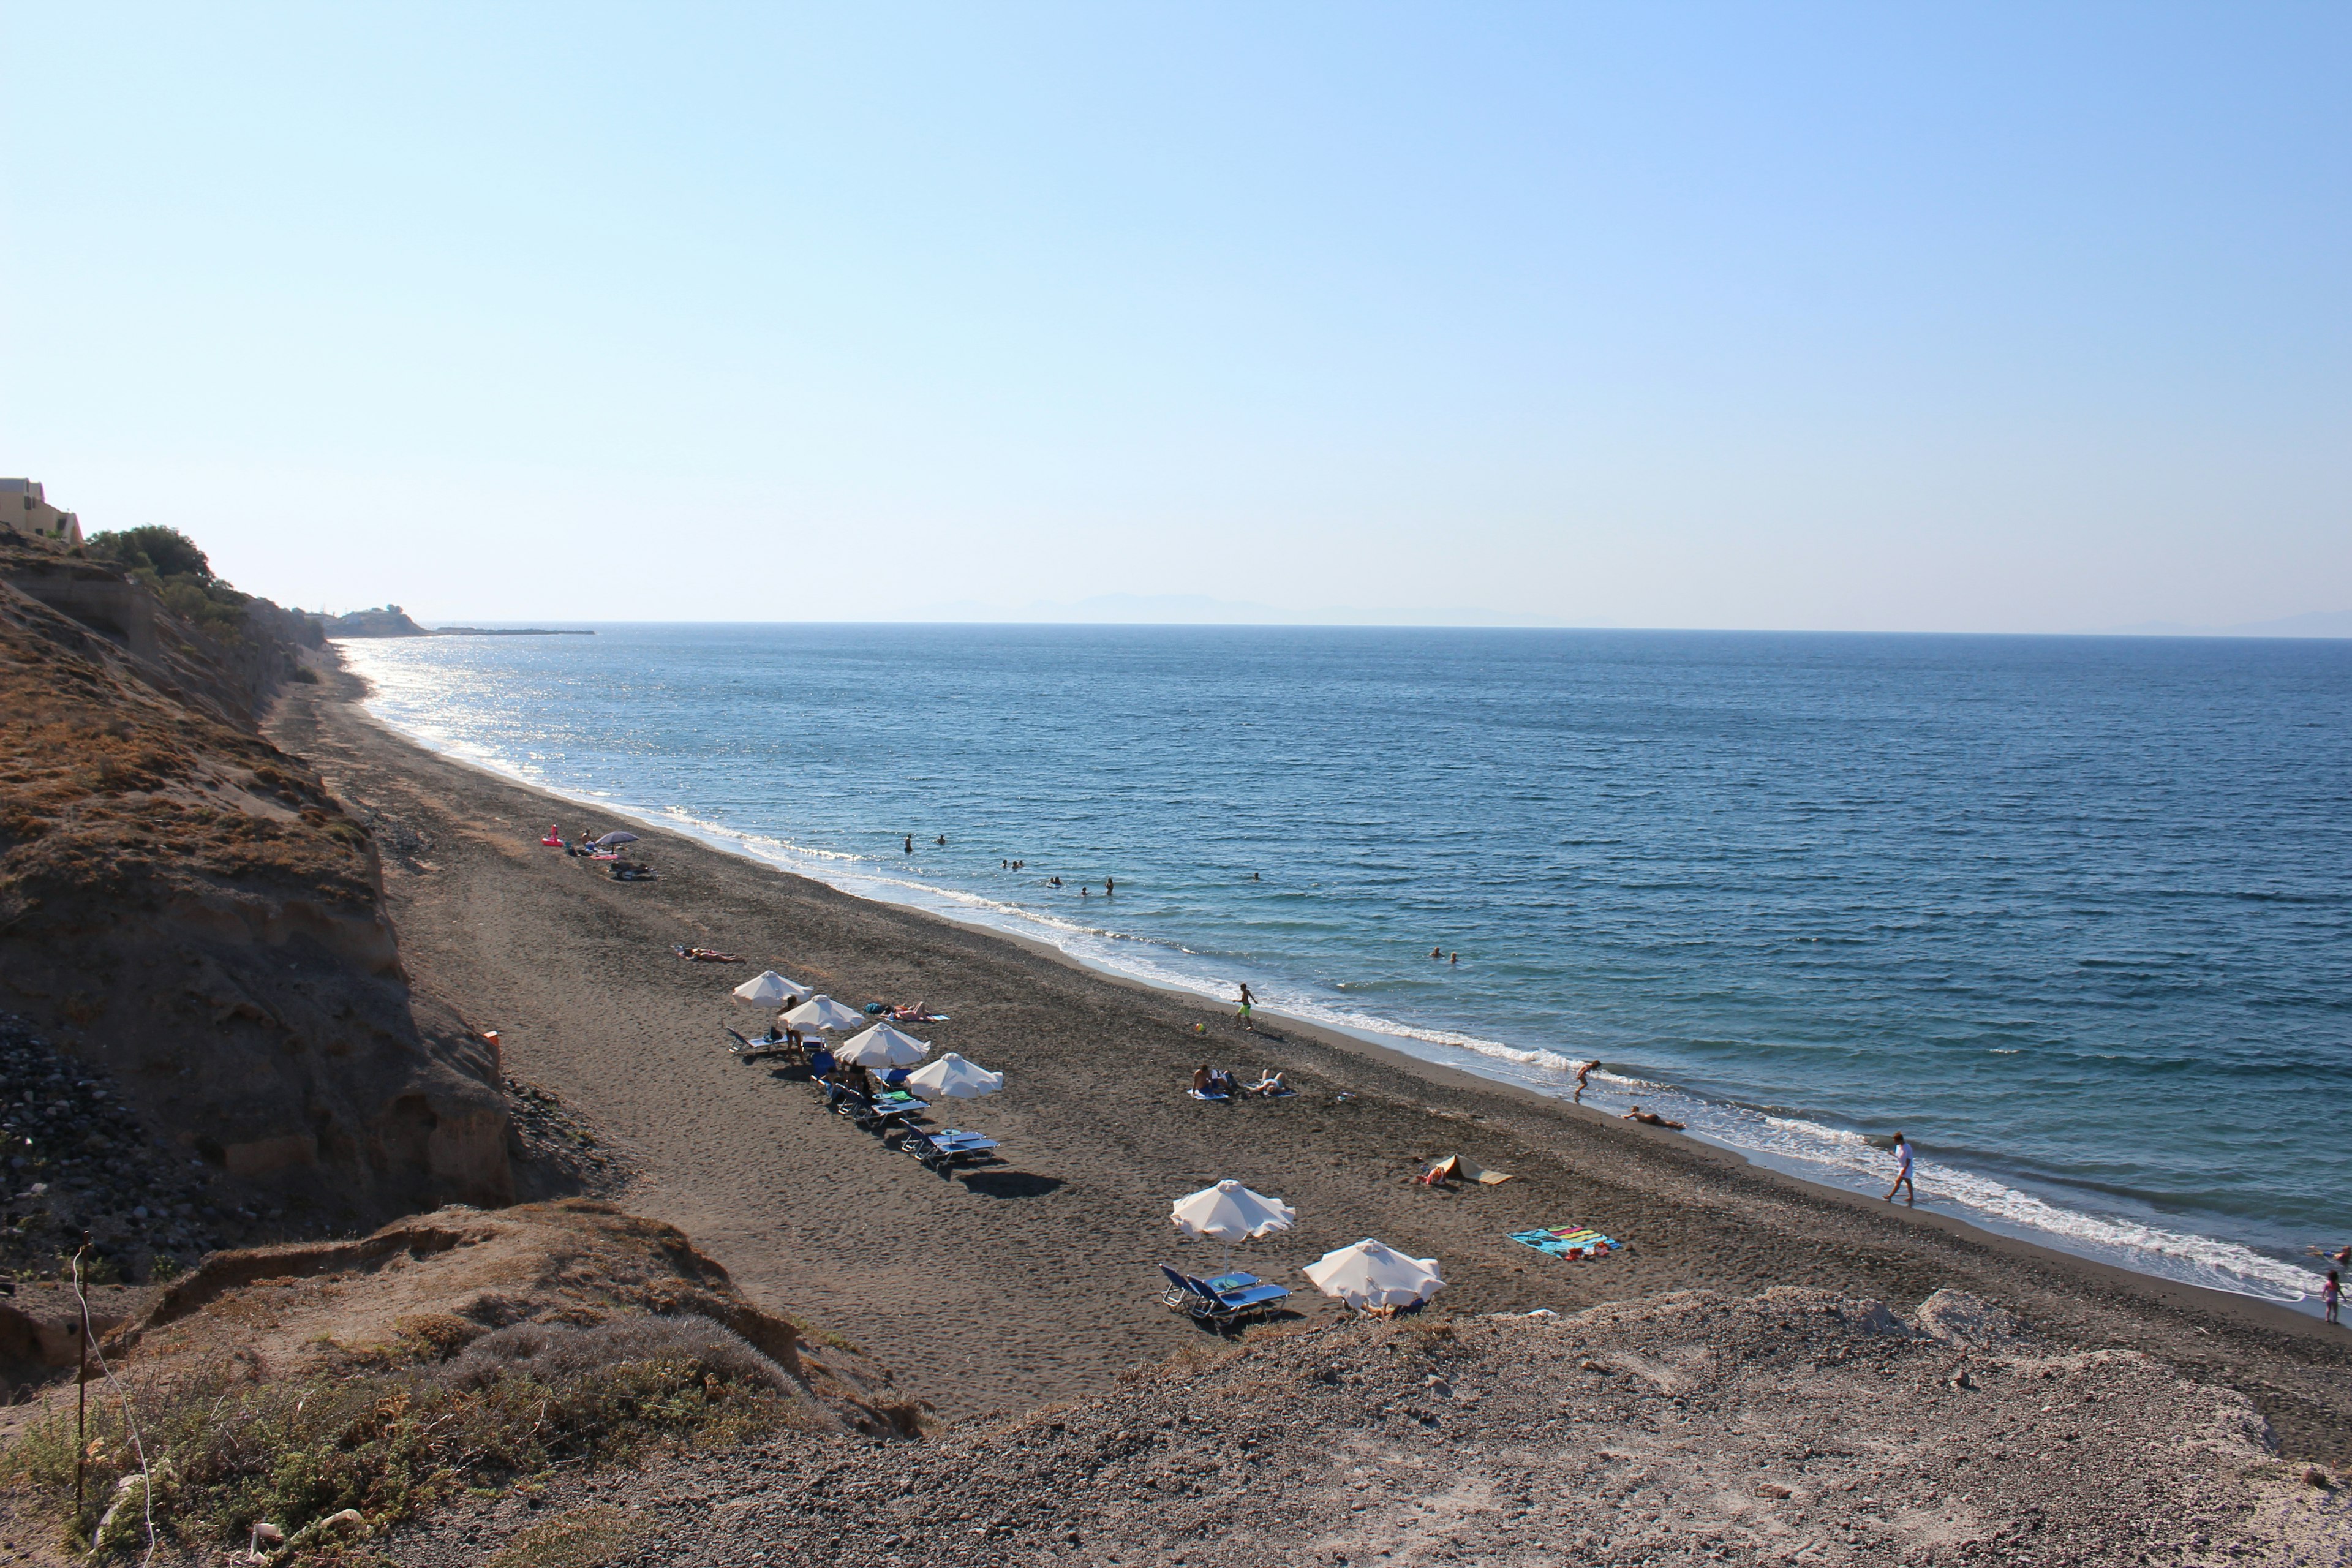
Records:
x=2073, y=912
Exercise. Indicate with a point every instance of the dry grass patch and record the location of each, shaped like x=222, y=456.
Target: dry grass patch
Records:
x=584, y=1538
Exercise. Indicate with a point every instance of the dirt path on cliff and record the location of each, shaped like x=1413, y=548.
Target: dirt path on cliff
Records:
x=1032, y=1282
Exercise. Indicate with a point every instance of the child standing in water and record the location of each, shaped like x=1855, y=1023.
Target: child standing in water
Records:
x=2332, y=1293
x=1903, y=1173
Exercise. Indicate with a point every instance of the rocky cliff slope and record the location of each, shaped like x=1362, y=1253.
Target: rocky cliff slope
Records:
x=191, y=918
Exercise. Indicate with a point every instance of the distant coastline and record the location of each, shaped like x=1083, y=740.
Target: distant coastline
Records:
x=511, y=632
x=392, y=621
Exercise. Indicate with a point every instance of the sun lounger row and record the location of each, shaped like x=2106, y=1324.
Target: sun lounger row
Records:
x=890, y=1112
x=894, y=1112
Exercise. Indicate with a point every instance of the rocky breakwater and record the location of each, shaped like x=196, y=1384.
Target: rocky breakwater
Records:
x=189, y=915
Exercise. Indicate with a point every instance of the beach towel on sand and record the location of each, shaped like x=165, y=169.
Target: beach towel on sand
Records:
x=1567, y=1241
x=1453, y=1167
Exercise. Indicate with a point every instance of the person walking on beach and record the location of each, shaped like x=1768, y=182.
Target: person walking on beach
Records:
x=2332, y=1293
x=1903, y=1173
x=1248, y=1002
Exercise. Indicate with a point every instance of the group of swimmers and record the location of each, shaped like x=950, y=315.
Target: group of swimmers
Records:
x=1086, y=889
x=1440, y=952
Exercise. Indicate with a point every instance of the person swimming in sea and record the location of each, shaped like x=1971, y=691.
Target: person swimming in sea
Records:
x=942, y=841
x=911, y=843
x=1437, y=953
x=1108, y=885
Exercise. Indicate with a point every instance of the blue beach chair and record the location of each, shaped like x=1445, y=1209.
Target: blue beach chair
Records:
x=1204, y=1303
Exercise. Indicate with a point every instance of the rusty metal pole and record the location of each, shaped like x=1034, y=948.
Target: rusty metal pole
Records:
x=81, y=1378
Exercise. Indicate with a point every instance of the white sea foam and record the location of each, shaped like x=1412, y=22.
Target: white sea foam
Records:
x=1836, y=1155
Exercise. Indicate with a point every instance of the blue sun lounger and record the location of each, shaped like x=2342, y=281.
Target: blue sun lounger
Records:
x=941, y=1151
x=1203, y=1302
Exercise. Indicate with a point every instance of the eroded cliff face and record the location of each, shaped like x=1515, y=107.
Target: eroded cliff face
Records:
x=186, y=907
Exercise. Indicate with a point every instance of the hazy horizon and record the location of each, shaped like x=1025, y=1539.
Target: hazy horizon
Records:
x=1149, y=611
x=1830, y=318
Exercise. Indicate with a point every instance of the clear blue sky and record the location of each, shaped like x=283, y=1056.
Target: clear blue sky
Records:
x=1993, y=317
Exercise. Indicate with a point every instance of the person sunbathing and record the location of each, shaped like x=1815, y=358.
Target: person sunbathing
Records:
x=1203, y=1078
x=1223, y=1082
x=1269, y=1085
x=1651, y=1119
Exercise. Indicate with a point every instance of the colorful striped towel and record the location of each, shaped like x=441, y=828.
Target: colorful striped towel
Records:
x=1567, y=1241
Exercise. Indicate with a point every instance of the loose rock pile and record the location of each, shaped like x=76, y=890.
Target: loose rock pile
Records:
x=76, y=1159
x=1794, y=1427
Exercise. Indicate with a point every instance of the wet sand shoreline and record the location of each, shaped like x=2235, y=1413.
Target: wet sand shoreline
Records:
x=1032, y=1283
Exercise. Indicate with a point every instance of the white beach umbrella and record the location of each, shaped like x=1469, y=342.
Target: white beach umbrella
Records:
x=1371, y=1275
x=823, y=1013
x=1231, y=1212
x=768, y=988
x=955, y=1078
x=884, y=1046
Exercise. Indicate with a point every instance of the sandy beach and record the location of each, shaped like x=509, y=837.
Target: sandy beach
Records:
x=1032, y=1282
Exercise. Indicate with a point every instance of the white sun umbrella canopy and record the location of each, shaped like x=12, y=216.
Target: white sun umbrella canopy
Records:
x=1231, y=1212
x=768, y=988
x=955, y=1077
x=823, y=1013
x=884, y=1046
x=1371, y=1275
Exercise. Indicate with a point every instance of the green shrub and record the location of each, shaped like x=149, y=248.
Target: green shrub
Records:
x=165, y=551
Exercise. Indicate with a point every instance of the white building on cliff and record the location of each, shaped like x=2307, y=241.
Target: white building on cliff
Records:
x=24, y=510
